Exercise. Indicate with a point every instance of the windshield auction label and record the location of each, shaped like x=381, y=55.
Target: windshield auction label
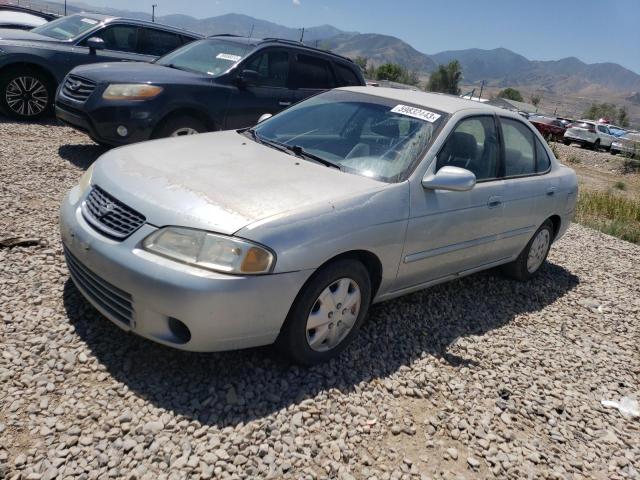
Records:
x=414, y=112
x=227, y=56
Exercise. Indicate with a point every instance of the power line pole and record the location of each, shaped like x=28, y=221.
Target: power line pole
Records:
x=65, y=8
x=153, y=12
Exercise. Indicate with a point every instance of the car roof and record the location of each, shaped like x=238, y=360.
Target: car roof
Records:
x=439, y=101
x=136, y=21
x=254, y=42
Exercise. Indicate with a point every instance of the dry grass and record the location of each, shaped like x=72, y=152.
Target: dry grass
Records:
x=610, y=213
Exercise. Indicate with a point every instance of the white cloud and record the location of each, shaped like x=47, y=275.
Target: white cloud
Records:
x=296, y=3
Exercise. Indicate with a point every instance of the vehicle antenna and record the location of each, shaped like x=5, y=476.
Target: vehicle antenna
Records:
x=249, y=39
x=302, y=35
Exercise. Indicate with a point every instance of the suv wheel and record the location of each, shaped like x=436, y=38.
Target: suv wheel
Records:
x=25, y=94
x=596, y=145
x=327, y=313
x=179, y=126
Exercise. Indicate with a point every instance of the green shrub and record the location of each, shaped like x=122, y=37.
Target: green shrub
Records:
x=610, y=213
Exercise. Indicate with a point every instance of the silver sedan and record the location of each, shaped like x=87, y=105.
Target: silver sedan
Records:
x=287, y=232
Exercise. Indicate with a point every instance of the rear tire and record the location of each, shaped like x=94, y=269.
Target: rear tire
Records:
x=26, y=94
x=567, y=142
x=533, y=256
x=178, y=126
x=323, y=321
x=596, y=145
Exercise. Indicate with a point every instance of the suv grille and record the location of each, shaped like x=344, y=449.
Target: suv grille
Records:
x=110, y=216
x=78, y=88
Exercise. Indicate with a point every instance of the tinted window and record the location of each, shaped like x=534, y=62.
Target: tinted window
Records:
x=312, y=72
x=157, y=42
x=122, y=38
x=602, y=129
x=346, y=76
x=519, y=150
x=472, y=145
x=543, y=162
x=272, y=67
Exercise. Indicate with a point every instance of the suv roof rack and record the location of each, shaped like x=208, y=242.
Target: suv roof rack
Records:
x=300, y=44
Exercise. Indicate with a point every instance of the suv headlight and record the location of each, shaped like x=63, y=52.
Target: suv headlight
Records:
x=212, y=251
x=131, y=91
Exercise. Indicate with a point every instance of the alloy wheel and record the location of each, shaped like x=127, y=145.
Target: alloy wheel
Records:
x=333, y=315
x=538, y=250
x=26, y=96
x=181, y=132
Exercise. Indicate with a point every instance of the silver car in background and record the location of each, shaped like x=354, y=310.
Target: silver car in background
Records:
x=288, y=231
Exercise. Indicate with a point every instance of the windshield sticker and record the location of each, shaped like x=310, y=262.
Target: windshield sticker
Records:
x=414, y=112
x=227, y=56
x=90, y=21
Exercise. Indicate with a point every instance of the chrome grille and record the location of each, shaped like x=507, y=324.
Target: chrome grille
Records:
x=117, y=303
x=110, y=216
x=78, y=88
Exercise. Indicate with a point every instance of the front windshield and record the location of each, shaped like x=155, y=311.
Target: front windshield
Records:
x=211, y=57
x=66, y=28
x=364, y=134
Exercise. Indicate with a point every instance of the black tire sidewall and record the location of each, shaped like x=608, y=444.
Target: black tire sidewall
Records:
x=521, y=272
x=7, y=77
x=293, y=340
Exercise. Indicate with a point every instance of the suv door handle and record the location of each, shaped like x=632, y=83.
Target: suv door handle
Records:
x=551, y=191
x=282, y=103
x=494, y=202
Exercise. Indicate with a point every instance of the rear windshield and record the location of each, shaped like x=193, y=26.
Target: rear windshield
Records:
x=66, y=28
x=211, y=57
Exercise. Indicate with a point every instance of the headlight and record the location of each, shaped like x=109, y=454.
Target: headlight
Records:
x=131, y=91
x=211, y=251
x=85, y=180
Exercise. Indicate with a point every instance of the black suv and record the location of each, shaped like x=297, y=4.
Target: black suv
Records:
x=33, y=63
x=220, y=83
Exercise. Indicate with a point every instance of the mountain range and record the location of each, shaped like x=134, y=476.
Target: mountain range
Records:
x=498, y=67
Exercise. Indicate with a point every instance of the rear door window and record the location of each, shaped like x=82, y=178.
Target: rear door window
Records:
x=519, y=150
x=345, y=76
x=312, y=72
x=158, y=42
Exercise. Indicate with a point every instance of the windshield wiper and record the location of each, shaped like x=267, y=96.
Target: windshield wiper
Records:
x=301, y=152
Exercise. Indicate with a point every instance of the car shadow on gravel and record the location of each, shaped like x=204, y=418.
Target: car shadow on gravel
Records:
x=81, y=155
x=235, y=387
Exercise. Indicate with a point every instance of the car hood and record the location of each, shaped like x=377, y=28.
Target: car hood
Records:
x=135, y=72
x=219, y=182
x=11, y=35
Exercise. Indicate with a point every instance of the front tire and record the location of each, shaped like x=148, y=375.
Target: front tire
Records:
x=533, y=256
x=327, y=313
x=26, y=94
x=179, y=126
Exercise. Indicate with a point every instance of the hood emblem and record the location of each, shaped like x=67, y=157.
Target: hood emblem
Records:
x=105, y=209
x=74, y=85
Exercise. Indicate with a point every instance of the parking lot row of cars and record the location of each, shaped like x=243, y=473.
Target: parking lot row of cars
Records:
x=595, y=134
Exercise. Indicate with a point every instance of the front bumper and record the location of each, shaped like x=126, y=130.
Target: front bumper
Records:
x=101, y=122
x=222, y=312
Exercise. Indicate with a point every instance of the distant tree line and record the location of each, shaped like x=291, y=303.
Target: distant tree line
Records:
x=617, y=115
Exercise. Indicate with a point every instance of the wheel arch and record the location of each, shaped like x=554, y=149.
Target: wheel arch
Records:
x=556, y=221
x=371, y=262
x=33, y=66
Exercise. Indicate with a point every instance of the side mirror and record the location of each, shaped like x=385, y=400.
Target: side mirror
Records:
x=450, y=178
x=247, y=78
x=264, y=116
x=95, y=43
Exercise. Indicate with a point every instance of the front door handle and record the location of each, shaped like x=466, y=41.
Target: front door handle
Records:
x=282, y=103
x=551, y=191
x=494, y=202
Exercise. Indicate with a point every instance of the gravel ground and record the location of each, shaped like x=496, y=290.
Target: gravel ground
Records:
x=479, y=378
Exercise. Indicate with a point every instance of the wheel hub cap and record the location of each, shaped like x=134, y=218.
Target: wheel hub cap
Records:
x=538, y=250
x=333, y=314
x=180, y=132
x=26, y=96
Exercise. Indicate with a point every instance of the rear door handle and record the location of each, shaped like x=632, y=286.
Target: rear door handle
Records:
x=282, y=103
x=551, y=191
x=494, y=202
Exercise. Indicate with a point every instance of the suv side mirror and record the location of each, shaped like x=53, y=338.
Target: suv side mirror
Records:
x=450, y=178
x=95, y=43
x=247, y=78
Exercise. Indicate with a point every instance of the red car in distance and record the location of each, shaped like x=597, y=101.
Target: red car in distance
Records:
x=549, y=127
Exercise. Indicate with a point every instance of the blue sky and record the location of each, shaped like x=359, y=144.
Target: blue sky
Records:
x=592, y=30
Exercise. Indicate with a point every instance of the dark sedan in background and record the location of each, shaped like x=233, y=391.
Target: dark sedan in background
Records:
x=220, y=83
x=33, y=63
